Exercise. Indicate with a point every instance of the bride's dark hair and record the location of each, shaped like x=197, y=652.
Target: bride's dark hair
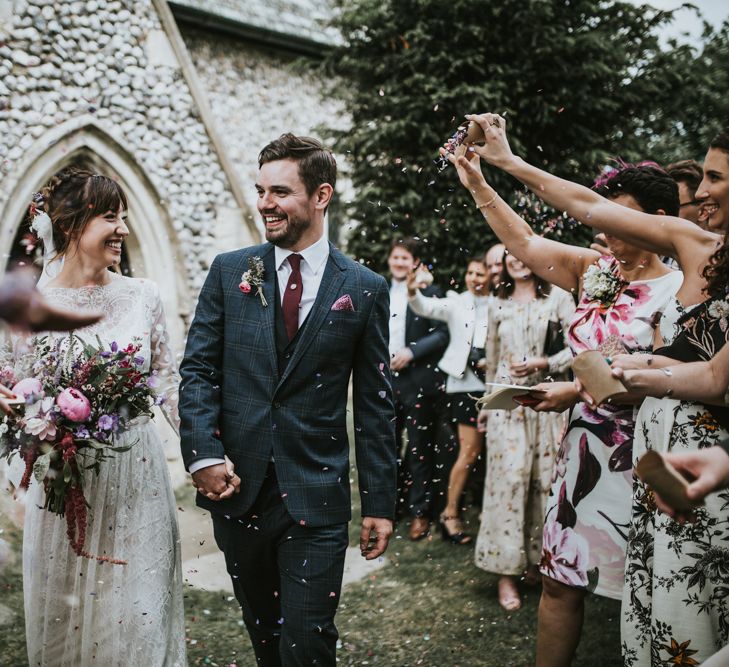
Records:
x=74, y=196
x=716, y=272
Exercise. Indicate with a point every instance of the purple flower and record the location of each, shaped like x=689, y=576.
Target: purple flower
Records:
x=153, y=382
x=138, y=360
x=105, y=354
x=82, y=433
x=565, y=554
x=114, y=346
x=105, y=423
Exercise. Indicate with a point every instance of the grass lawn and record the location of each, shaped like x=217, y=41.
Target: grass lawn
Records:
x=430, y=606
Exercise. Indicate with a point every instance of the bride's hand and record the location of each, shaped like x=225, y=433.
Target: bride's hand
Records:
x=495, y=150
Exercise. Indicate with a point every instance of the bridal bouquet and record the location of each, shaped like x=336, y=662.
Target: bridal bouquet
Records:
x=75, y=405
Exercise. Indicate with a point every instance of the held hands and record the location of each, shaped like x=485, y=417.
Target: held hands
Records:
x=217, y=482
x=401, y=359
x=374, y=536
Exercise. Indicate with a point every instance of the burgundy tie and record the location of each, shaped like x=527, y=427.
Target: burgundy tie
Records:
x=292, y=297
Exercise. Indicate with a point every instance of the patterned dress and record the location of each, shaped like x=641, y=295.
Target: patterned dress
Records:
x=521, y=443
x=588, y=512
x=676, y=599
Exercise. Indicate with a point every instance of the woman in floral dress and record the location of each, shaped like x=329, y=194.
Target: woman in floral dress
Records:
x=621, y=299
x=673, y=613
x=524, y=316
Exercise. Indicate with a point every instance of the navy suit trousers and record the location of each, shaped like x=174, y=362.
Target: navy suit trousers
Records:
x=287, y=579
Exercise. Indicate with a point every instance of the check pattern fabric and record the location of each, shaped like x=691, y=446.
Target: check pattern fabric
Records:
x=233, y=401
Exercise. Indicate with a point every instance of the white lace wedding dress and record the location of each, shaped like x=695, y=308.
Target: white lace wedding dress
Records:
x=79, y=611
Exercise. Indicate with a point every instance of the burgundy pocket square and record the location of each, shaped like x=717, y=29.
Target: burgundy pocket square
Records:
x=343, y=303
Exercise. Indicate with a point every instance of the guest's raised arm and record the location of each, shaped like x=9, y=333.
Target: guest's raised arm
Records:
x=558, y=263
x=666, y=235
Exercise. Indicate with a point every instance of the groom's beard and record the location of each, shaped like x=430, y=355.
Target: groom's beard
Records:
x=290, y=232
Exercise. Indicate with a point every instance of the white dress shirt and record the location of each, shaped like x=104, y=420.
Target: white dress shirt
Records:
x=398, y=315
x=312, y=271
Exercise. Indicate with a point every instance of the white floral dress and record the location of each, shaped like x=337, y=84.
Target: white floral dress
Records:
x=676, y=601
x=79, y=611
x=521, y=443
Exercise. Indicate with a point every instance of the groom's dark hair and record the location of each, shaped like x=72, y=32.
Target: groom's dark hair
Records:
x=316, y=164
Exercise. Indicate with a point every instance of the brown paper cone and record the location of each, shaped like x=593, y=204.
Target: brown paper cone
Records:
x=662, y=477
x=593, y=372
x=474, y=134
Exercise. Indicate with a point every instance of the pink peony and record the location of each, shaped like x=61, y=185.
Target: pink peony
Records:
x=74, y=405
x=245, y=287
x=565, y=554
x=28, y=387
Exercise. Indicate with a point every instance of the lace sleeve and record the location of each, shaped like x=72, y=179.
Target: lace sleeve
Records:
x=164, y=366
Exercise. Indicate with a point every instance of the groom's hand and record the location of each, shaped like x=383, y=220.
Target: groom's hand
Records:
x=377, y=530
x=216, y=482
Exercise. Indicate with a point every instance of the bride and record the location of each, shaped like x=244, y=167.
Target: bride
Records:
x=78, y=610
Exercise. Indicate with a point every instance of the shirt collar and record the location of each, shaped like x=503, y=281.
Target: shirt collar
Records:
x=315, y=255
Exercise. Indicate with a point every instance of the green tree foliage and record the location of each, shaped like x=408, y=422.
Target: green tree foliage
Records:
x=574, y=78
x=694, y=109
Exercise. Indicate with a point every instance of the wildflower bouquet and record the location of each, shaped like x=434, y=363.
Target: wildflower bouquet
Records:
x=76, y=402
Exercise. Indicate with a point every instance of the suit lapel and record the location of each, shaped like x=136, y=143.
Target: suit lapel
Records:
x=268, y=316
x=331, y=283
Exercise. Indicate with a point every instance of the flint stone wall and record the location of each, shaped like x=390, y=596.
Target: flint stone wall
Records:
x=113, y=59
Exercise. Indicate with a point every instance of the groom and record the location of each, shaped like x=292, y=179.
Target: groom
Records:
x=277, y=332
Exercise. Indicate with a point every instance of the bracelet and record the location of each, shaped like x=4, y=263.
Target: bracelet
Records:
x=488, y=203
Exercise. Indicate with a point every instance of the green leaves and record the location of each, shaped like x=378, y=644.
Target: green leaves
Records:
x=580, y=82
x=41, y=466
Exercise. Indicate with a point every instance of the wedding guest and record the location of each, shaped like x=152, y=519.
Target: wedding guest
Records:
x=495, y=264
x=525, y=345
x=667, y=611
x=416, y=345
x=621, y=296
x=688, y=175
x=78, y=611
x=466, y=315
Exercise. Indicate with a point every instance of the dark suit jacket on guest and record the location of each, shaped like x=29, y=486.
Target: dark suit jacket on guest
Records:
x=235, y=401
x=428, y=340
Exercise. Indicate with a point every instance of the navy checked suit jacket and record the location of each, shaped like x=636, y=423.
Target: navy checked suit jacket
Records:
x=232, y=400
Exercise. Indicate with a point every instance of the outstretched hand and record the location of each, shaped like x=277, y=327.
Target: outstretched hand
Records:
x=495, y=148
x=374, y=536
x=468, y=167
x=23, y=307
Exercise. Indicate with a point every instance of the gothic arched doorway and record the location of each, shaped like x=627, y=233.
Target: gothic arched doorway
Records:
x=150, y=250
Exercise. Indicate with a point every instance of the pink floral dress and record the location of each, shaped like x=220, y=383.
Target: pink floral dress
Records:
x=588, y=510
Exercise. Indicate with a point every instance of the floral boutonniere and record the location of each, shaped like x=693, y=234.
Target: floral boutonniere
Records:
x=254, y=278
x=603, y=284
x=719, y=310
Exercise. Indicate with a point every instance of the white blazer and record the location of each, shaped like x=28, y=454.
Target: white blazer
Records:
x=459, y=312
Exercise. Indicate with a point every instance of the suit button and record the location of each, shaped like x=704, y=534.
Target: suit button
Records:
x=287, y=355
x=276, y=405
